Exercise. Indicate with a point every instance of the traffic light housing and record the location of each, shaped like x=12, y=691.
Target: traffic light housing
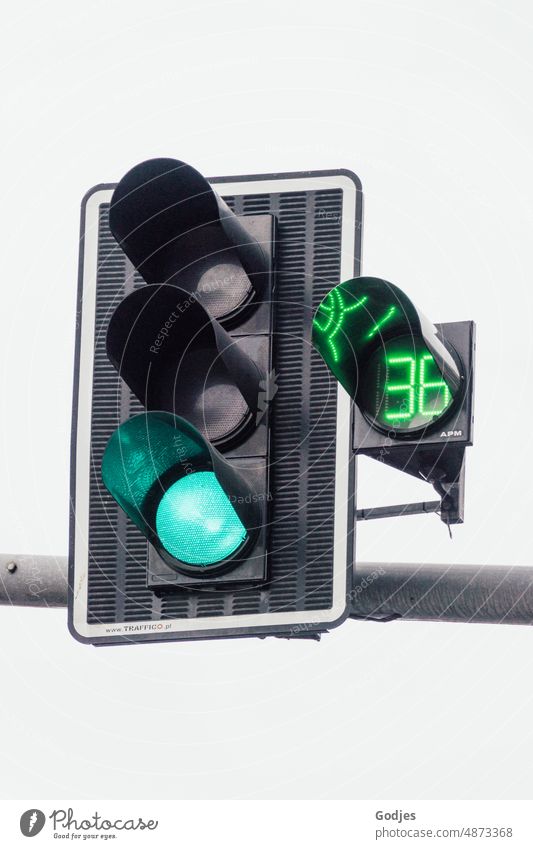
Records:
x=411, y=381
x=200, y=385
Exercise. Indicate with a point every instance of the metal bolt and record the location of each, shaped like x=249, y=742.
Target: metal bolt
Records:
x=11, y=566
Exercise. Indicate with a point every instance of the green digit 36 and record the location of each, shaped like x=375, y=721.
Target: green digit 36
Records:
x=415, y=386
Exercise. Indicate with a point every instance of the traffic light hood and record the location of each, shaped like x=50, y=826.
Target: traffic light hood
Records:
x=176, y=229
x=175, y=357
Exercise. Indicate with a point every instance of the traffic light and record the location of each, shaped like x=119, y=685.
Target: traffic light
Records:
x=200, y=386
x=411, y=382
x=213, y=479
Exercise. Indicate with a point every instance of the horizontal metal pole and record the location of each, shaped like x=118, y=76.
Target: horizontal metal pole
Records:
x=382, y=591
x=33, y=580
x=443, y=593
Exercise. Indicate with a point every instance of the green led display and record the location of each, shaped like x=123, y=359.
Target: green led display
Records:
x=389, y=358
x=402, y=387
x=196, y=522
x=334, y=320
x=380, y=323
x=331, y=318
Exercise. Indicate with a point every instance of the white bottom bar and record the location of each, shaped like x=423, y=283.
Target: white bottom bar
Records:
x=262, y=825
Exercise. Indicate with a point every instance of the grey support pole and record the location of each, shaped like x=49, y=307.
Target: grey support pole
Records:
x=443, y=593
x=382, y=591
x=33, y=580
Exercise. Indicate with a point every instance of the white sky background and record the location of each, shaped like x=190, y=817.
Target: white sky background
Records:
x=430, y=104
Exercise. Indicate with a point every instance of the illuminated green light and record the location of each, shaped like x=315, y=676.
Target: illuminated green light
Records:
x=382, y=321
x=196, y=522
x=438, y=385
x=392, y=388
x=334, y=310
x=402, y=386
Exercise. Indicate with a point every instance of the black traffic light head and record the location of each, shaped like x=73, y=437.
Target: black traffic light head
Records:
x=201, y=387
x=411, y=381
x=176, y=229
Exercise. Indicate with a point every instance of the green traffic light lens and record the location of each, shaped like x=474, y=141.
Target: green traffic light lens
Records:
x=196, y=522
x=402, y=387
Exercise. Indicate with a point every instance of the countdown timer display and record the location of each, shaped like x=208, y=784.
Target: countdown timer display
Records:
x=402, y=388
